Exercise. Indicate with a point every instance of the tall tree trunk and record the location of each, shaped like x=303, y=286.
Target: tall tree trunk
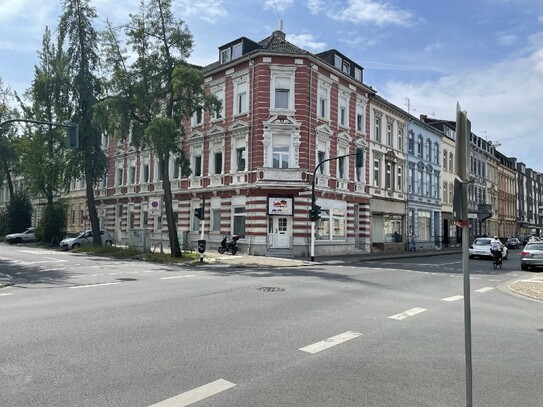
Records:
x=168, y=201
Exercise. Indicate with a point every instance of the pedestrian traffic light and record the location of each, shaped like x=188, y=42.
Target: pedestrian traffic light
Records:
x=315, y=213
x=198, y=213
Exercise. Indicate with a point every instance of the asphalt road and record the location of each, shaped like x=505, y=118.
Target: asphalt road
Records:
x=86, y=331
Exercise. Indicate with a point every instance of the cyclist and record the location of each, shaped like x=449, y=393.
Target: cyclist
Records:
x=496, y=250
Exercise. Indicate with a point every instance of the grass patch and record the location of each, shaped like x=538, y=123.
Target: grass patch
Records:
x=125, y=253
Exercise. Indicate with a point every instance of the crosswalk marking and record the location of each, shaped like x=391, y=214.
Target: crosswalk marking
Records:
x=408, y=313
x=453, y=298
x=328, y=343
x=196, y=394
x=5, y=294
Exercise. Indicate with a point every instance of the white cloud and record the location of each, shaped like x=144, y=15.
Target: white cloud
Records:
x=281, y=5
x=504, y=100
x=306, y=41
x=433, y=46
x=374, y=12
x=506, y=39
x=315, y=6
x=207, y=10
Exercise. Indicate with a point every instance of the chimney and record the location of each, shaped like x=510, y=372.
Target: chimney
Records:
x=279, y=34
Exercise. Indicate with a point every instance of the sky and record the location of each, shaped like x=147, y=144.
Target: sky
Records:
x=424, y=56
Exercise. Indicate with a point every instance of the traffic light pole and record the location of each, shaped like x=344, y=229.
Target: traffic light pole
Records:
x=72, y=135
x=315, y=216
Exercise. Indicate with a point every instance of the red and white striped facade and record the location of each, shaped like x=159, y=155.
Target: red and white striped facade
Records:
x=284, y=111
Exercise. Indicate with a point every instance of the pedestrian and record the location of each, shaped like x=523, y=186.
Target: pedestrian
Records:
x=396, y=237
x=412, y=243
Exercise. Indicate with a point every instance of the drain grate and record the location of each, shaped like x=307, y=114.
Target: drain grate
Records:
x=271, y=289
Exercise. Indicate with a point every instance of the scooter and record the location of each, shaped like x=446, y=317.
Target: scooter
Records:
x=229, y=246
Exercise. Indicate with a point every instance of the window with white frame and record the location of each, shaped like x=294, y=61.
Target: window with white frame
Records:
x=410, y=143
x=419, y=146
x=119, y=174
x=389, y=134
x=282, y=88
x=196, y=162
x=324, y=100
x=420, y=182
x=132, y=172
x=198, y=117
x=337, y=61
x=445, y=160
x=195, y=224
x=377, y=129
x=238, y=221
x=331, y=225
x=144, y=171
x=341, y=170
x=436, y=152
x=389, y=181
x=231, y=52
x=400, y=178
x=376, y=172
x=425, y=231
x=445, y=195
x=219, y=112
x=429, y=184
x=343, y=109
x=412, y=177
x=215, y=219
x=281, y=151
x=346, y=67
x=217, y=162
x=428, y=150
x=321, y=156
x=358, y=74
x=435, y=189
x=241, y=159
x=360, y=117
x=359, y=170
x=451, y=167
x=241, y=95
x=159, y=173
x=400, y=139
x=175, y=167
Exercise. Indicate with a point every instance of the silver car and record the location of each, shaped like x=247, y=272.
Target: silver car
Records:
x=531, y=255
x=84, y=238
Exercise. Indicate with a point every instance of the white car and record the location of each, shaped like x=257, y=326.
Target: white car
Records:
x=23, y=237
x=481, y=248
x=84, y=238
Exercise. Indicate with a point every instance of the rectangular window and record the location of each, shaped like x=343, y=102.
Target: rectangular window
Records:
x=198, y=116
x=451, y=168
x=119, y=177
x=322, y=107
x=215, y=220
x=219, y=112
x=428, y=184
x=176, y=169
x=400, y=178
x=420, y=182
x=388, y=176
x=359, y=123
x=237, y=50
x=337, y=61
x=400, y=139
x=428, y=150
x=341, y=167
x=358, y=74
x=242, y=102
x=241, y=159
x=410, y=144
x=377, y=129
x=197, y=166
x=424, y=226
x=280, y=156
x=338, y=224
x=342, y=117
x=218, y=163
x=331, y=225
x=389, y=134
x=376, y=171
x=444, y=160
x=346, y=67
x=225, y=55
x=321, y=156
x=411, y=180
x=159, y=174
x=132, y=174
x=359, y=168
x=145, y=171
x=239, y=222
x=281, y=98
x=419, y=147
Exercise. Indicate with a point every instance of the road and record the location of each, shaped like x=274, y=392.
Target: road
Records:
x=88, y=331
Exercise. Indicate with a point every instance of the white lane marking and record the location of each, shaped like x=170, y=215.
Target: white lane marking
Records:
x=328, y=343
x=5, y=294
x=94, y=285
x=408, y=313
x=197, y=394
x=484, y=289
x=453, y=298
x=169, y=278
x=495, y=281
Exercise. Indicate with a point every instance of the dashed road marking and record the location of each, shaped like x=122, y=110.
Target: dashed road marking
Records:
x=94, y=285
x=484, y=289
x=5, y=294
x=172, y=277
x=328, y=343
x=408, y=313
x=197, y=394
x=453, y=298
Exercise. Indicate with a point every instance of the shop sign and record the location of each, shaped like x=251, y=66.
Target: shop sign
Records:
x=279, y=206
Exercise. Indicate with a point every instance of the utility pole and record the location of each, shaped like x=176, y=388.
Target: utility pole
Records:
x=460, y=212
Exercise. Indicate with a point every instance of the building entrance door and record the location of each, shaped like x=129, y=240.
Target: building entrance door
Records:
x=279, y=232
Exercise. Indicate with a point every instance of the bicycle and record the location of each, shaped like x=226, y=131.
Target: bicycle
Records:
x=497, y=261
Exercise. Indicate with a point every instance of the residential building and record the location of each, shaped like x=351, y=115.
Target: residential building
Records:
x=507, y=200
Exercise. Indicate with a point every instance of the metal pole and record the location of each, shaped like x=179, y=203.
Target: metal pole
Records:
x=202, y=224
x=467, y=313
x=313, y=240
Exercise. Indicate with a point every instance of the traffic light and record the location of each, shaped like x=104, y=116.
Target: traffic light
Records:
x=72, y=136
x=198, y=212
x=315, y=213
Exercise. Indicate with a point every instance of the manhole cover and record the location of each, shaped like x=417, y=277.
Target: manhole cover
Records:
x=271, y=289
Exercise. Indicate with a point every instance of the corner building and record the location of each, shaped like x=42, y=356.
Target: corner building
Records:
x=284, y=111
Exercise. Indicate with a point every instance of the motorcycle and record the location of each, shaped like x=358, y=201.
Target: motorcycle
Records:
x=229, y=246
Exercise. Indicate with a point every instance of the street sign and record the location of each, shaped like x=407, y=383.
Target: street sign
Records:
x=155, y=206
x=304, y=193
x=102, y=212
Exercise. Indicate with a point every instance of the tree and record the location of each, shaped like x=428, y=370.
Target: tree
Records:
x=19, y=212
x=8, y=138
x=82, y=50
x=42, y=151
x=155, y=92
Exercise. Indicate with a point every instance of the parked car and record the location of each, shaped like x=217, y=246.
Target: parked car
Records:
x=512, y=243
x=531, y=255
x=23, y=237
x=481, y=248
x=84, y=238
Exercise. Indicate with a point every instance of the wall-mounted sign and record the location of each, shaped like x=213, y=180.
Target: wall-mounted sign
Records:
x=155, y=206
x=279, y=206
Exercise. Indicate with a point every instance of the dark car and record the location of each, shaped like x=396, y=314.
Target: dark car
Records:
x=512, y=243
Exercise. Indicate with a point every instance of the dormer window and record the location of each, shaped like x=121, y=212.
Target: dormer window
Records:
x=337, y=62
x=346, y=67
x=231, y=52
x=358, y=74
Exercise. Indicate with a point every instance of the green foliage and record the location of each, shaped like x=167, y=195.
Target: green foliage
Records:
x=52, y=226
x=3, y=222
x=126, y=253
x=19, y=211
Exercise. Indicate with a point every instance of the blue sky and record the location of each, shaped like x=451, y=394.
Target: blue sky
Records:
x=485, y=54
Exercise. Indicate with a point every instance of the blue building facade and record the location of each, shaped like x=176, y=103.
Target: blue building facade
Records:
x=424, y=184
